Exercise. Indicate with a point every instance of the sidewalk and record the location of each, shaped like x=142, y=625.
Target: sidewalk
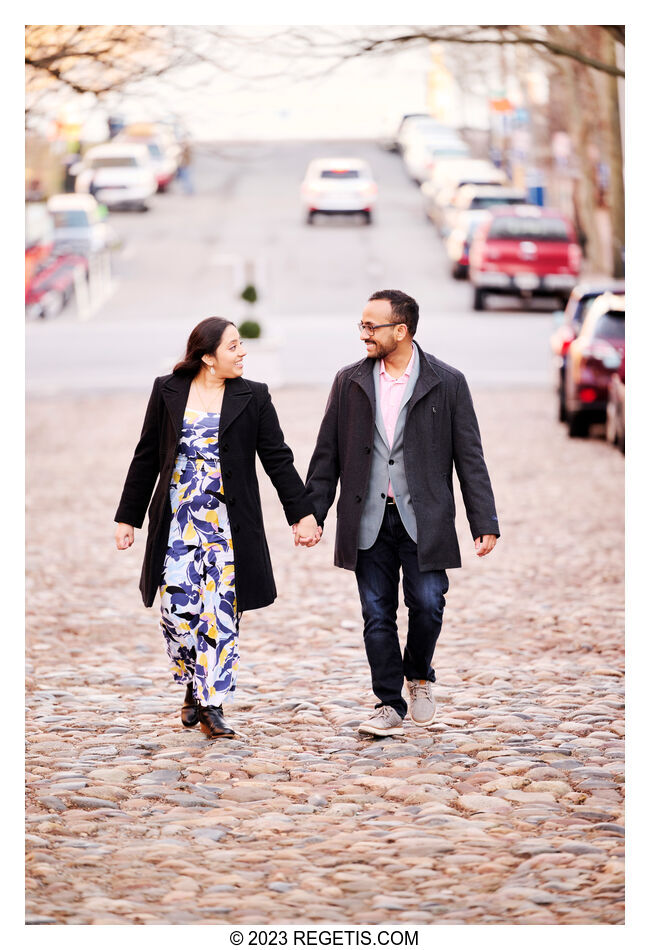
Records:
x=507, y=810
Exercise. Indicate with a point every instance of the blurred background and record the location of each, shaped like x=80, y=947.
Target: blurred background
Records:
x=279, y=175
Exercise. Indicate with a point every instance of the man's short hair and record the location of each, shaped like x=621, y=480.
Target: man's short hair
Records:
x=405, y=308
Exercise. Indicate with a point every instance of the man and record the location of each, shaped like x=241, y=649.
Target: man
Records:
x=394, y=424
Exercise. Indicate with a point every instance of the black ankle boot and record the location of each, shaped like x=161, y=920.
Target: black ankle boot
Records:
x=213, y=724
x=190, y=709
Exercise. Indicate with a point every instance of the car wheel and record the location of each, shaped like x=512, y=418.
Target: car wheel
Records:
x=578, y=425
x=143, y=207
x=51, y=304
x=368, y=216
x=310, y=217
x=479, y=299
x=457, y=272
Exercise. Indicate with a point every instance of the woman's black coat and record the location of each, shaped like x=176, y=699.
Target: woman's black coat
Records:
x=248, y=425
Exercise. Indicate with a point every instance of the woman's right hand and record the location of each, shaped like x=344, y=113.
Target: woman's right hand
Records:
x=124, y=536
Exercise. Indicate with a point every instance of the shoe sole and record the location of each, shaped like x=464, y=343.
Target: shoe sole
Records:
x=391, y=731
x=216, y=735
x=427, y=723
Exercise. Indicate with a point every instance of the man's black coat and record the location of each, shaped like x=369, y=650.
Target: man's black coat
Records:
x=248, y=425
x=440, y=431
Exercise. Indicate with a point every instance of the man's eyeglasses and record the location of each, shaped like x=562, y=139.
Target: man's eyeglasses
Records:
x=371, y=327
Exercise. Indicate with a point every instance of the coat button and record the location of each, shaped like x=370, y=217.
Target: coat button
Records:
x=383, y=495
x=232, y=501
x=224, y=447
x=367, y=450
x=391, y=462
x=358, y=498
x=235, y=527
x=228, y=474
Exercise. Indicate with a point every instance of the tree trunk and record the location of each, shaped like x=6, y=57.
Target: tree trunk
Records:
x=615, y=150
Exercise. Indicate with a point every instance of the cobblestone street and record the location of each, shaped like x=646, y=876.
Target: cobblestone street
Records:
x=508, y=810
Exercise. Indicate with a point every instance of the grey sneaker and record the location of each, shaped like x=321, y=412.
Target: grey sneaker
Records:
x=422, y=704
x=385, y=722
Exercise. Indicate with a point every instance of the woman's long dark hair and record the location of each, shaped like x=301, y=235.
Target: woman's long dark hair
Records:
x=204, y=338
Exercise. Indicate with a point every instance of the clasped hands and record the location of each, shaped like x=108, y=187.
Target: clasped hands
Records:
x=306, y=532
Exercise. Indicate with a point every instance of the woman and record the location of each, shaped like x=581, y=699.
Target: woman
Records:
x=206, y=549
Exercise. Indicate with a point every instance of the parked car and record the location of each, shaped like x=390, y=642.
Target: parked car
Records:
x=80, y=224
x=421, y=156
x=338, y=186
x=415, y=126
x=449, y=176
x=471, y=202
x=39, y=239
x=458, y=246
x=164, y=152
x=52, y=286
x=526, y=251
x=569, y=321
x=593, y=357
x=118, y=174
x=615, y=412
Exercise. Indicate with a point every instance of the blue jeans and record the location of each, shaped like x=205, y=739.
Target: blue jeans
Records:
x=377, y=573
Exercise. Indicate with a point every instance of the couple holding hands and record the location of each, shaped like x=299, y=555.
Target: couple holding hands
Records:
x=395, y=425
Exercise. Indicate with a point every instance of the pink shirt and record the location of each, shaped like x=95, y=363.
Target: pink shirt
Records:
x=391, y=392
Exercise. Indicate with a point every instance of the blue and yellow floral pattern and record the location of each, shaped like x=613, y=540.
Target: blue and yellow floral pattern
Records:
x=198, y=603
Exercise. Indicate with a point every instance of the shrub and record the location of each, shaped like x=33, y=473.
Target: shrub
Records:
x=249, y=329
x=249, y=293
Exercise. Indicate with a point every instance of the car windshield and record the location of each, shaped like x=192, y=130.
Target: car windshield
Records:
x=483, y=201
x=529, y=229
x=115, y=161
x=73, y=218
x=611, y=326
x=340, y=173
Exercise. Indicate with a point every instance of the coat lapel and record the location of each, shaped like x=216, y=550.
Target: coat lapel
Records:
x=175, y=391
x=427, y=379
x=363, y=377
x=235, y=399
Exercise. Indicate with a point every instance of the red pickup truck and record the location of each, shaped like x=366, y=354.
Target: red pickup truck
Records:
x=524, y=250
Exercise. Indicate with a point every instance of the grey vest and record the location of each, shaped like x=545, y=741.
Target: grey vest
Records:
x=381, y=469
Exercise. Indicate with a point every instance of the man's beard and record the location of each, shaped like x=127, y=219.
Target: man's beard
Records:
x=379, y=351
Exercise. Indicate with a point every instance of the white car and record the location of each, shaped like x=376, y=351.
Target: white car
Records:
x=474, y=201
x=163, y=151
x=117, y=174
x=422, y=155
x=418, y=127
x=338, y=186
x=438, y=191
x=79, y=225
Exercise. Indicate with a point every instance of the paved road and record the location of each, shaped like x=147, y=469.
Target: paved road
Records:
x=509, y=809
x=180, y=263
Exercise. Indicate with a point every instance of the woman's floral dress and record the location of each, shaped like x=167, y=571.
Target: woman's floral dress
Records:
x=199, y=611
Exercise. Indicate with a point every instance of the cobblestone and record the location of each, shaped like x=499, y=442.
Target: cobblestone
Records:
x=509, y=809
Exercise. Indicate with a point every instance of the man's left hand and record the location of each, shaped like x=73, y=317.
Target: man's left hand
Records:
x=484, y=544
